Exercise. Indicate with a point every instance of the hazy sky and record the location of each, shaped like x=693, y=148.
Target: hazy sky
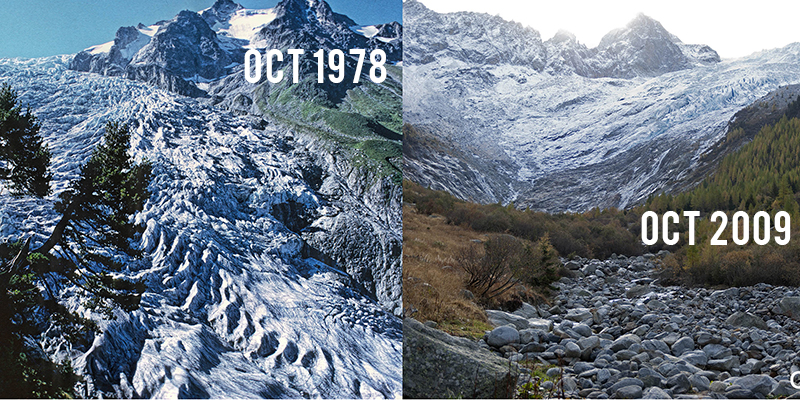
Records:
x=728, y=27
x=36, y=28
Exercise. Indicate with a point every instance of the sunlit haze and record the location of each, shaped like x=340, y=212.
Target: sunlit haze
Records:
x=730, y=29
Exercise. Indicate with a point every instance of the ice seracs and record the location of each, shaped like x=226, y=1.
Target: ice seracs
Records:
x=242, y=300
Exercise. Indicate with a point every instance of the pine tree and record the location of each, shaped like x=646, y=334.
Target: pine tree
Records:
x=84, y=248
x=24, y=159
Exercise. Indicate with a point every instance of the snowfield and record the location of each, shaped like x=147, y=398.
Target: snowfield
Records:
x=236, y=306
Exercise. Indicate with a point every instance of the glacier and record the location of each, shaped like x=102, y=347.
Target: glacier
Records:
x=241, y=301
x=503, y=116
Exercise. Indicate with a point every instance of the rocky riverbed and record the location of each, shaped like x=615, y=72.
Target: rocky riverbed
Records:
x=613, y=331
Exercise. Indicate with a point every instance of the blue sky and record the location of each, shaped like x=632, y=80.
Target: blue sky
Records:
x=37, y=28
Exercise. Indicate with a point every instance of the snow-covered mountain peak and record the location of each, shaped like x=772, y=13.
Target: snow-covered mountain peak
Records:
x=563, y=36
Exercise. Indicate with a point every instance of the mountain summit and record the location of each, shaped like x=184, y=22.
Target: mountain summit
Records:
x=193, y=48
x=642, y=48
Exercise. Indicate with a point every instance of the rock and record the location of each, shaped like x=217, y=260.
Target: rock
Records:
x=629, y=392
x=705, y=338
x=527, y=311
x=569, y=384
x=725, y=364
x=697, y=358
x=624, y=342
x=683, y=345
x=747, y=320
x=763, y=384
x=699, y=382
x=625, y=382
x=783, y=389
x=656, y=345
x=655, y=392
x=528, y=335
x=533, y=347
x=679, y=383
x=638, y=290
x=572, y=265
x=581, y=367
x=539, y=323
x=500, y=318
x=502, y=335
x=717, y=386
x=788, y=306
x=579, y=314
x=671, y=338
x=553, y=372
x=438, y=365
x=739, y=393
x=582, y=329
x=572, y=350
x=624, y=355
x=431, y=324
x=589, y=343
x=603, y=375
x=656, y=305
x=716, y=351
x=650, y=377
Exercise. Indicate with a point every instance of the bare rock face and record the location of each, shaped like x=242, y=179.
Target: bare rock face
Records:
x=437, y=365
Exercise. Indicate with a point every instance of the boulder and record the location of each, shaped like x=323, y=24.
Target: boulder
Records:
x=527, y=311
x=683, y=345
x=625, y=382
x=638, y=290
x=697, y=358
x=763, y=384
x=572, y=265
x=502, y=335
x=579, y=314
x=725, y=364
x=788, y=306
x=582, y=329
x=540, y=323
x=589, y=343
x=629, y=392
x=437, y=365
x=572, y=350
x=717, y=351
x=655, y=392
x=784, y=389
x=650, y=377
x=624, y=342
x=679, y=383
x=699, y=382
x=500, y=318
x=746, y=320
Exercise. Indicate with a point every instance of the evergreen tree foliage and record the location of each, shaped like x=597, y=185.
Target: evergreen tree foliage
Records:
x=24, y=159
x=85, y=248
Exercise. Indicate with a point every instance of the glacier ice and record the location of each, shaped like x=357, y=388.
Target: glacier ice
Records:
x=238, y=302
